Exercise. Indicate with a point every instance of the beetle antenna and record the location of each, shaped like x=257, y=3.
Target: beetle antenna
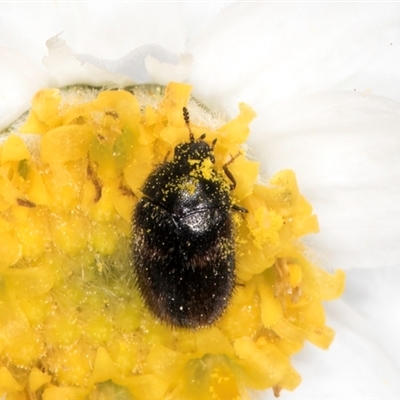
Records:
x=187, y=122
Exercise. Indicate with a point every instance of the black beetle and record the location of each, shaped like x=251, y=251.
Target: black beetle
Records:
x=183, y=237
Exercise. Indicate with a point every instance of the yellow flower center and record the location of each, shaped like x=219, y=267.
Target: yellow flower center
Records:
x=72, y=324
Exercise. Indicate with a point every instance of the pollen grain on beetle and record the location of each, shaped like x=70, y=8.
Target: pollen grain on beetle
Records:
x=125, y=181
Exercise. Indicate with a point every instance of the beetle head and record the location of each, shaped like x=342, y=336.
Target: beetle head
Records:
x=194, y=150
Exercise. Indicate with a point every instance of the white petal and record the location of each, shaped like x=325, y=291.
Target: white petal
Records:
x=104, y=29
x=148, y=63
x=374, y=294
x=264, y=52
x=355, y=367
x=345, y=150
x=197, y=15
x=20, y=78
x=89, y=28
x=67, y=69
x=165, y=72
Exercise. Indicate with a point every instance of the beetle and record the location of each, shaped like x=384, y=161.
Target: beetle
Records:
x=183, y=237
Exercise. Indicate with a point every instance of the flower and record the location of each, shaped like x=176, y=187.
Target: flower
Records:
x=322, y=74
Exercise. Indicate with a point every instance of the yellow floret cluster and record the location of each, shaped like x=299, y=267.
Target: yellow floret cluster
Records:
x=72, y=325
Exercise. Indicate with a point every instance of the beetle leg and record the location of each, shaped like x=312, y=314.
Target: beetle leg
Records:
x=229, y=173
x=237, y=208
x=167, y=155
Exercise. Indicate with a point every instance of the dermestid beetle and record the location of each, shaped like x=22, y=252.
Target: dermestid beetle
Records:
x=183, y=237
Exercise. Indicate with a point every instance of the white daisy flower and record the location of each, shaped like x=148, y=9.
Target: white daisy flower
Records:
x=323, y=80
